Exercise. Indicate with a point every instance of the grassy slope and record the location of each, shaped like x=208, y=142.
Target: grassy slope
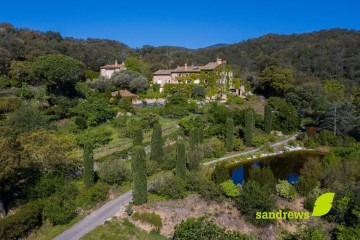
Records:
x=118, y=229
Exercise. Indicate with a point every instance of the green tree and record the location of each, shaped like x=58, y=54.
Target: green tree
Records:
x=201, y=132
x=284, y=115
x=138, y=159
x=156, y=144
x=229, y=134
x=193, y=159
x=194, y=138
x=264, y=176
x=335, y=92
x=27, y=118
x=134, y=64
x=138, y=137
x=254, y=198
x=249, y=127
x=180, y=168
x=57, y=71
x=277, y=80
x=267, y=118
x=221, y=173
x=88, y=165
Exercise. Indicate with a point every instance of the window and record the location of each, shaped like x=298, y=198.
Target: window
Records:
x=188, y=81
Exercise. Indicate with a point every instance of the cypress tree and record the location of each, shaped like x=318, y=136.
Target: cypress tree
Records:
x=267, y=118
x=194, y=138
x=229, y=134
x=138, y=165
x=138, y=137
x=193, y=159
x=221, y=173
x=180, y=168
x=88, y=165
x=249, y=127
x=156, y=144
x=201, y=133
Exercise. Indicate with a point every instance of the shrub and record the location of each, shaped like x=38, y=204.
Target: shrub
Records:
x=151, y=218
x=46, y=186
x=264, y=176
x=169, y=158
x=171, y=187
x=80, y=123
x=230, y=189
x=91, y=196
x=238, y=144
x=255, y=198
x=207, y=189
x=221, y=173
x=212, y=148
x=114, y=172
x=175, y=111
x=286, y=190
x=204, y=229
x=60, y=207
x=233, y=99
x=99, y=136
x=26, y=219
x=306, y=184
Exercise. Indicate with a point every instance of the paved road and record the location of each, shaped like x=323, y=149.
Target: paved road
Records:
x=96, y=218
x=251, y=151
x=110, y=209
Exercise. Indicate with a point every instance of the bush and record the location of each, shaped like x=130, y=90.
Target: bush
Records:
x=233, y=99
x=255, y=198
x=60, y=207
x=91, y=196
x=204, y=229
x=175, y=111
x=46, y=186
x=221, y=173
x=239, y=144
x=207, y=189
x=99, y=136
x=114, y=172
x=230, y=189
x=80, y=123
x=212, y=148
x=151, y=218
x=26, y=219
x=286, y=190
x=171, y=187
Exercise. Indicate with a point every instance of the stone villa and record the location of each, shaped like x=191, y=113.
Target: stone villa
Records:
x=172, y=76
x=108, y=70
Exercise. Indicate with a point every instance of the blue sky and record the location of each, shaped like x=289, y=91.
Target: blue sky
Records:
x=191, y=24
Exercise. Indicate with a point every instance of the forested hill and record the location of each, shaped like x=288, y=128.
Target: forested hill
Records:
x=327, y=54
x=27, y=45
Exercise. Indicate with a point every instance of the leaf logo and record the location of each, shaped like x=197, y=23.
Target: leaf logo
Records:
x=323, y=204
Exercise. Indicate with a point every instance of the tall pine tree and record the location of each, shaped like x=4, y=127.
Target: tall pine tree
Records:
x=267, y=119
x=229, y=134
x=249, y=127
x=138, y=137
x=88, y=165
x=180, y=168
x=138, y=165
x=156, y=153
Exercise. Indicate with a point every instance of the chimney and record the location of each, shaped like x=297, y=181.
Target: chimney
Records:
x=185, y=66
x=219, y=61
x=115, y=62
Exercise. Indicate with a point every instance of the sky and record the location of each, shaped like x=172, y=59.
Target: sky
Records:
x=191, y=24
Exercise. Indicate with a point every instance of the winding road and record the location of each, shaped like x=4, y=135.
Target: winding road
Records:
x=110, y=209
